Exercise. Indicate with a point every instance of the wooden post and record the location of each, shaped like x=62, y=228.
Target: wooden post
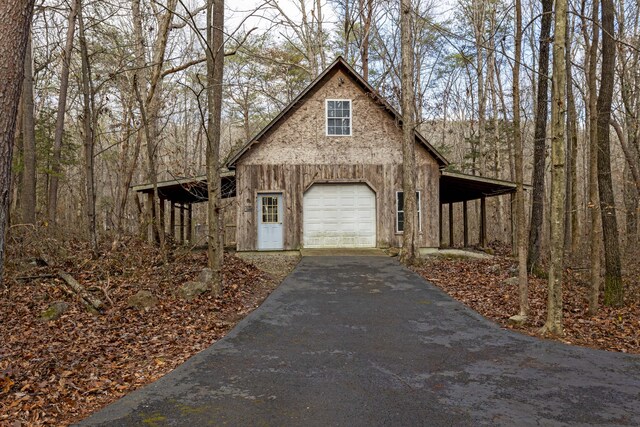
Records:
x=189, y=221
x=483, y=222
x=450, y=225
x=162, y=216
x=514, y=232
x=181, y=207
x=172, y=221
x=441, y=228
x=151, y=230
x=465, y=224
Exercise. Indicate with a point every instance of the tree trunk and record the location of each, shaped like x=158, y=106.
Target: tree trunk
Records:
x=539, y=138
x=215, y=71
x=613, y=289
x=56, y=169
x=478, y=28
x=15, y=22
x=28, y=195
x=366, y=13
x=88, y=136
x=553, y=325
x=523, y=289
x=408, y=255
x=571, y=199
x=594, y=233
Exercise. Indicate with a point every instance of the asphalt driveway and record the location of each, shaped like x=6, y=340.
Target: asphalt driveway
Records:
x=362, y=341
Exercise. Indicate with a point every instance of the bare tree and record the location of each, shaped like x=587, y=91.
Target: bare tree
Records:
x=52, y=206
x=409, y=251
x=613, y=289
x=15, y=22
x=215, y=72
x=553, y=325
x=517, y=142
x=540, y=135
x=28, y=202
x=88, y=111
x=594, y=232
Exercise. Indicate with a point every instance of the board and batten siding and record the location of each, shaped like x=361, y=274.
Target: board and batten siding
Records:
x=296, y=153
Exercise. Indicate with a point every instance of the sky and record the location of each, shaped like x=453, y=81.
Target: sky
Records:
x=243, y=12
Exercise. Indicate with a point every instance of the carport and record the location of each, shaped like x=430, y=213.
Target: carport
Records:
x=456, y=187
x=178, y=196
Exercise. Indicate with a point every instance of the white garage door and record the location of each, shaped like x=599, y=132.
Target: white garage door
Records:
x=339, y=216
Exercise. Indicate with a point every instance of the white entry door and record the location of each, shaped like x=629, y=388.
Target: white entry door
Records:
x=339, y=216
x=270, y=230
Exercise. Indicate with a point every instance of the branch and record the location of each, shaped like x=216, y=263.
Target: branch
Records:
x=189, y=64
x=631, y=161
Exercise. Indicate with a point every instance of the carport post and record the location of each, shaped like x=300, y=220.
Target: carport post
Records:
x=162, y=216
x=189, y=221
x=181, y=207
x=172, y=221
x=154, y=237
x=450, y=225
x=514, y=240
x=483, y=222
x=465, y=224
x=441, y=227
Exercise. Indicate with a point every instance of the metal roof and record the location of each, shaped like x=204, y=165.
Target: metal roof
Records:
x=458, y=187
x=191, y=189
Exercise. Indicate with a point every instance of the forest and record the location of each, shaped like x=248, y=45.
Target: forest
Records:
x=100, y=96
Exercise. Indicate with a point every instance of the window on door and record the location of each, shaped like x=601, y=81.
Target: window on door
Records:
x=270, y=210
x=400, y=211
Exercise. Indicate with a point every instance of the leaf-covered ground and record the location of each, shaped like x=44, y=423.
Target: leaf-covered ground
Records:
x=57, y=372
x=482, y=285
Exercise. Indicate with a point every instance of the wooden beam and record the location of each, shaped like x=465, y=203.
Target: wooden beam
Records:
x=450, y=225
x=483, y=222
x=465, y=224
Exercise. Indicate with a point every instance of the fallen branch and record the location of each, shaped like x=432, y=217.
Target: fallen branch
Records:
x=81, y=291
x=38, y=276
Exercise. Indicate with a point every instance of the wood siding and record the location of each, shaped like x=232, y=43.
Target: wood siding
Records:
x=293, y=180
x=296, y=153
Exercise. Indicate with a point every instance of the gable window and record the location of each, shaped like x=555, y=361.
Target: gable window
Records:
x=400, y=211
x=338, y=117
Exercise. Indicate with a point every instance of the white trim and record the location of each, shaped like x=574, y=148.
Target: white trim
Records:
x=326, y=117
x=418, y=203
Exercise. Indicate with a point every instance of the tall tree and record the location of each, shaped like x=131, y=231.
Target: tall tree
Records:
x=15, y=24
x=539, y=137
x=553, y=324
x=409, y=251
x=28, y=203
x=594, y=232
x=613, y=289
x=215, y=73
x=517, y=137
x=148, y=82
x=88, y=111
x=366, y=18
x=478, y=21
x=52, y=206
x=571, y=199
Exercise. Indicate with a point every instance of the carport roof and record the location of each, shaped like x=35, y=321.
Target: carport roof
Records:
x=190, y=189
x=458, y=187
